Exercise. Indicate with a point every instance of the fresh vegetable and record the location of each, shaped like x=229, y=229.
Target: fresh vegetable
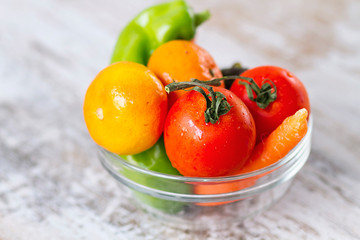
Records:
x=274, y=95
x=125, y=107
x=155, y=26
x=155, y=159
x=208, y=137
x=179, y=61
x=279, y=143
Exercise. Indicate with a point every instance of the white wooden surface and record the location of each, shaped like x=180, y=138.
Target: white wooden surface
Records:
x=51, y=183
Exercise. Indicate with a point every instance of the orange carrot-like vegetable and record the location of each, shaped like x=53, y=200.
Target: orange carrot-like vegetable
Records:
x=284, y=138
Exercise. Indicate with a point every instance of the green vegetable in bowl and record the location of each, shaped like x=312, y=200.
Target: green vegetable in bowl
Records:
x=154, y=159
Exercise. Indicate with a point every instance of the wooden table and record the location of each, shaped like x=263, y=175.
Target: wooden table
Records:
x=51, y=183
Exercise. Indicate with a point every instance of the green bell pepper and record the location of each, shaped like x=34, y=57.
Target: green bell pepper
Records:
x=154, y=159
x=155, y=26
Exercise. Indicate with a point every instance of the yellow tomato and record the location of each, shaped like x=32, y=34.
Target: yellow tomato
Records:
x=125, y=108
x=181, y=60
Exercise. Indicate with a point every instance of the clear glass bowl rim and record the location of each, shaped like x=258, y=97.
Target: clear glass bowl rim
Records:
x=293, y=152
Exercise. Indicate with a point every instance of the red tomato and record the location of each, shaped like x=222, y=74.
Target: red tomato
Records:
x=200, y=149
x=291, y=96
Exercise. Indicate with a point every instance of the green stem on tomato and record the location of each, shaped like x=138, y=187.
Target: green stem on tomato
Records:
x=264, y=95
x=196, y=82
x=215, y=107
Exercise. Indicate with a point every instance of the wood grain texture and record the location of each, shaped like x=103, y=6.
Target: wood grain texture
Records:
x=51, y=183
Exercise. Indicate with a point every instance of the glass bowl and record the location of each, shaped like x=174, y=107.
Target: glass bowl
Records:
x=199, y=203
